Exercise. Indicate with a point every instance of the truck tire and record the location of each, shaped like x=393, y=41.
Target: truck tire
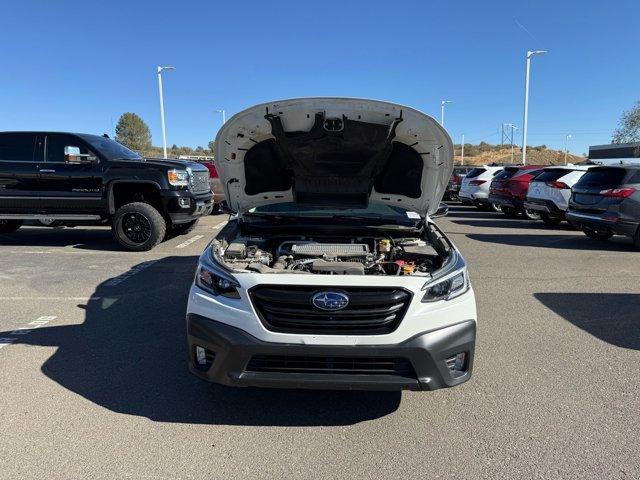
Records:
x=138, y=227
x=9, y=226
x=183, y=228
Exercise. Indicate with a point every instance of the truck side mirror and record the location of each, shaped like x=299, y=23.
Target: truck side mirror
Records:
x=72, y=155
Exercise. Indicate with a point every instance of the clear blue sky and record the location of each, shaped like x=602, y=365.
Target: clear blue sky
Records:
x=78, y=65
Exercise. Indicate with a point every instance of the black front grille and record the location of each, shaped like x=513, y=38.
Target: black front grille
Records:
x=331, y=365
x=371, y=310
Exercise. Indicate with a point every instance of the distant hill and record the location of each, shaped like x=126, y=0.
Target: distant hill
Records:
x=485, y=153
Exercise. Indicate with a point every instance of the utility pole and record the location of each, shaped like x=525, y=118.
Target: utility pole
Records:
x=566, y=146
x=462, y=154
x=164, y=133
x=513, y=128
x=526, y=101
x=224, y=118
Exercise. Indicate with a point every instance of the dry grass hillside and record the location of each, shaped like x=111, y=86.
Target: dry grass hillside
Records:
x=483, y=155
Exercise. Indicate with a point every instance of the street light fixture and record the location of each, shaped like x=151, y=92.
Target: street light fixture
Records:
x=566, y=146
x=526, y=102
x=224, y=119
x=442, y=104
x=164, y=133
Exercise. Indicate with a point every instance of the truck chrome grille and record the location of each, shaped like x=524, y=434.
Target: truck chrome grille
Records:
x=370, y=311
x=200, y=181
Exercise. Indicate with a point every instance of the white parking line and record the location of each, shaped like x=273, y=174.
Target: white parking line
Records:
x=121, y=278
x=29, y=327
x=190, y=241
x=215, y=227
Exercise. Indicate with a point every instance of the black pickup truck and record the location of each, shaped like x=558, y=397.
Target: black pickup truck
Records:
x=76, y=179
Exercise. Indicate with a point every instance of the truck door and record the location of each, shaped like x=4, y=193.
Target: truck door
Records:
x=20, y=155
x=71, y=176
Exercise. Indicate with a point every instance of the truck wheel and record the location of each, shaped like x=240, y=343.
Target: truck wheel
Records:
x=597, y=234
x=530, y=214
x=138, y=227
x=496, y=208
x=184, y=228
x=9, y=226
x=549, y=220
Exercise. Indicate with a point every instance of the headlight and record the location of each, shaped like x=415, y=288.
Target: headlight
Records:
x=178, y=178
x=216, y=284
x=448, y=288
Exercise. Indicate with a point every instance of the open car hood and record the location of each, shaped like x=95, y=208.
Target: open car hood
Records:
x=333, y=151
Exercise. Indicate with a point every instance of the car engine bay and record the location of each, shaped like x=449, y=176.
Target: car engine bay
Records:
x=330, y=255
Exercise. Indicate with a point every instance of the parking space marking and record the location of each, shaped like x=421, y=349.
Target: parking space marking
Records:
x=121, y=278
x=186, y=243
x=25, y=330
x=215, y=227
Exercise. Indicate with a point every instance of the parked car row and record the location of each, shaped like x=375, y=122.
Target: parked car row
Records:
x=602, y=201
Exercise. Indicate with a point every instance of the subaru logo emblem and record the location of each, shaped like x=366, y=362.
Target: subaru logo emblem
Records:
x=330, y=300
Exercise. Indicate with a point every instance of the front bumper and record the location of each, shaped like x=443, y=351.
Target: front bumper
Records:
x=199, y=205
x=613, y=222
x=230, y=350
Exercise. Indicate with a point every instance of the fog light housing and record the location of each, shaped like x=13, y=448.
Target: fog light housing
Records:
x=184, y=202
x=201, y=355
x=203, y=358
x=458, y=364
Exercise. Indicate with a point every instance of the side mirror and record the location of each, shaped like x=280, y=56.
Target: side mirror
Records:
x=443, y=210
x=72, y=155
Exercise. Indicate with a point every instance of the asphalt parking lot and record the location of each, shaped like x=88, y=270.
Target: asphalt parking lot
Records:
x=95, y=384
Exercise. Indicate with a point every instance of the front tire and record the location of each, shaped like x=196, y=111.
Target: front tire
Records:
x=549, y=220
x=9, y=226
x=496, y=208
x=531, y=215
x=138, y=227
x=600, y=235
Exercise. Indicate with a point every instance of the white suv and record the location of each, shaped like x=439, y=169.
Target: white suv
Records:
x=549, y=192
x=332, y=274
x=475, y=187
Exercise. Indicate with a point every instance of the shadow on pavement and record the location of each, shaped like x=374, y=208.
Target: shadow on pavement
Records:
x=129, y=356
x=611, y=317
x=508, y=223
x=79, y=237
x=578, y=241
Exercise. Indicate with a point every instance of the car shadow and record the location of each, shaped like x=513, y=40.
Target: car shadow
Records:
x=578, y=241
x=78, y=237
x=611, y=317
x=458, y=211
x=130, y=356
x=514, y=223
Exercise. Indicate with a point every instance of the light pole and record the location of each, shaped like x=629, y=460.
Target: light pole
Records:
x=224, y=119
x=442, y=104
x=513, y=128
x=566, y=146
x=462, y=152
x=164, y=133
x=526, y=102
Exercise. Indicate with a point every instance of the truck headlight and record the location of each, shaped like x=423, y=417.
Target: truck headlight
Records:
x=447, y=288
x=216, y=284
x=178, y=178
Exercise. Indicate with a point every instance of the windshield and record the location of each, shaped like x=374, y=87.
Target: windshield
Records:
x=110, y=148
x=373, y=210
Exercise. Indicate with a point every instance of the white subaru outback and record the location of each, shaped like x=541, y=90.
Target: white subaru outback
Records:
x=332, y=273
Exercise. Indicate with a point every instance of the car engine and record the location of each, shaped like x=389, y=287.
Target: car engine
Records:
x=358, y=256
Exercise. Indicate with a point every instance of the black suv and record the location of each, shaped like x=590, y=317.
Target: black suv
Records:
x=606, y=201
x=78, y=179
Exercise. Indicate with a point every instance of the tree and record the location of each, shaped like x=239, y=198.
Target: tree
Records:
x=132, y=132
x=628, y=127
x=212, y=145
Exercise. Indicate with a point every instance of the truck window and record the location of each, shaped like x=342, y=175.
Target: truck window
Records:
x=17, y=147
x=56, y=144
